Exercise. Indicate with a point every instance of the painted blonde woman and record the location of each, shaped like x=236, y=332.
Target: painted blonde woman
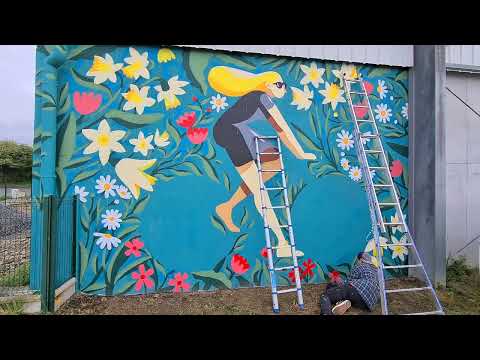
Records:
x=232, y=132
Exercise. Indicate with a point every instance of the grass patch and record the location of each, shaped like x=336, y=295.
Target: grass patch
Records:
x=20, y=277
x=14, y=307
x=462, y=293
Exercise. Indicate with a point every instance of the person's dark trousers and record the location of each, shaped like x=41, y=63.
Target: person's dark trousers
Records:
x=336, y=293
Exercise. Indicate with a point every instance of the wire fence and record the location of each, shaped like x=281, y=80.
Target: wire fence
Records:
x=15, y=236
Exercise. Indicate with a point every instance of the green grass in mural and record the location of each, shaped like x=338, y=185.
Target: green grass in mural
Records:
x=20, y=277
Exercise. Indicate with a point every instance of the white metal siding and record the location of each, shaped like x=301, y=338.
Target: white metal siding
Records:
x=393, y=55
x=463, y=55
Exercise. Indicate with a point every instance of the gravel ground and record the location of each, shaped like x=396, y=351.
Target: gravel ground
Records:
x=252, y=301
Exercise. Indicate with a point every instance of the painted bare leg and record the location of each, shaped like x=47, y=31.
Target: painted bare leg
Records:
x=249, y=174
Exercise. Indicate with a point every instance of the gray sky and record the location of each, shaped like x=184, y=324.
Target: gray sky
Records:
x=17, y=92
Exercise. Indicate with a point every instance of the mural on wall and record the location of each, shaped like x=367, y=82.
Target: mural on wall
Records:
x=158, y=145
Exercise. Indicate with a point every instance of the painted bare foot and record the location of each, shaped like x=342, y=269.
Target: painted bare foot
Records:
x=224, y=211
x=287, y=252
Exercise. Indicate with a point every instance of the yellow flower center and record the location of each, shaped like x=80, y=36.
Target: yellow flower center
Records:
x=380, y=89
x=103, y=140
x=131, y=70
x=107, y=236
x=314, y=74
x=333, y=91
x=134, y=97
x=122, y=193
x=345, y=141
x=142, y=144
x=383, y=113
x=356, y=173
x=218, y=102
x=107, y=186
x=111, y=218
x=101, y=65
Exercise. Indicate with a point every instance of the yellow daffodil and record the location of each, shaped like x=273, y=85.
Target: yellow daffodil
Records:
x=313, y=75
x=132, y=173
x=137, y=99
x=142, y=144
x=373, y=249
x=103, y=69
x=398, y=250
x=396, y=220
x=333, y=95
x=302, y=99
x=347, y=72
x=137, y=65
x=161, y=140
x=165, y=55
x=170, y=95
x=104, y=141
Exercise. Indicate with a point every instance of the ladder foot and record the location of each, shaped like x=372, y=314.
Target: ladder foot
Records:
x=301, y=307
x=276, y=311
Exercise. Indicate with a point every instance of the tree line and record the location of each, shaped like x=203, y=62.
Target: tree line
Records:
x=15, y=162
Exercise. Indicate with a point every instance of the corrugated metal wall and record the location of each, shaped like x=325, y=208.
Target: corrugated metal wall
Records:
x=463, y=55
x=393, y=55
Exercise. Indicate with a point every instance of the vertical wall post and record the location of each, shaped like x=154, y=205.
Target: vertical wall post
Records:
x=427, y=158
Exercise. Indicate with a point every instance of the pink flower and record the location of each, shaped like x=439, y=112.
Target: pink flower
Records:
x=134, y=247
x=195, y=98
x=86, y=103
x=396, y=169
x=360, y=112
x=309, y=266
x=239, y=264
x=264, y=252
x=197, y=135
x=187, y=120
x=368, y=87
x=179, y=282
x=143, y=277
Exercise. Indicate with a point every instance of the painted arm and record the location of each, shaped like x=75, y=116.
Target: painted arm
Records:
x=286, y=134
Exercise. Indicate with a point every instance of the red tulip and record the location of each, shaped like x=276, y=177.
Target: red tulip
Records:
x=368, y=87
x=197, y=135
x=86, y=103
x=264, y=252
x=360, y=112
x=239, y=264
x=396, y=169
x=187, y=120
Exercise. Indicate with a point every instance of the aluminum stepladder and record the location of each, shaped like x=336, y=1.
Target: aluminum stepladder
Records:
x=378, y=223
x=264, y=190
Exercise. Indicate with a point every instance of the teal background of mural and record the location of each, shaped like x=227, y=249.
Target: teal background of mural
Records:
x=183, y=240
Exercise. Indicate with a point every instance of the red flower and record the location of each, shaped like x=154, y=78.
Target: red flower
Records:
x=187, y=120
x=368, y=87
x=86, y=103
x=396, y=169
x=335, y=276
x=208, y=110
x=360, y=112
x=134, y=247
x=197, y=135
x=291, y=274
x=264, y=252
x=143, y=277
x=195, y=98
x=309, y=266
x=179, y=282
x=239, y=264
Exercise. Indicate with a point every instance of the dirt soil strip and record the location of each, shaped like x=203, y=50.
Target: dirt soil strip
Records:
x=251, y=301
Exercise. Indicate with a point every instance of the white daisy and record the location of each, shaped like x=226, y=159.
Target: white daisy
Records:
x=142, y=143
x=106, y=185
x=313, y=75
x=137, y=99
x=405, y=111
x=366, y=140
x=333, y=95
x=302, y=99
x=123, y=192
x=116, y=201
x=345, y=164
x=170, y=95
x=398, y=250
x=218, y=102
x=106, y=240
x=355, y=173
x=137, y=65
x=383, y=113
x=103, y=69
x=161, y=140
x=382, y=89
x=345, y=140
x=112, y=219
x=82, y=194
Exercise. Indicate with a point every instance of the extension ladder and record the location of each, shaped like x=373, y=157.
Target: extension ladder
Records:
x=264, y=190
x=376, y=153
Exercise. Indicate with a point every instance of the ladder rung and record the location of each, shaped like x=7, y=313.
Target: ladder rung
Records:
x=369, y=136
x=276, y=207
x=393, y=224
x=407, y=290
x=271, y=170
x=369, y=121
x=436, y=312
x=402, y=266
x=284, y=226
x=354, y=81
x=382, y=185
x=356, y=92
x=373, y=151
x=360, y=106
x=267, y=137
x=287, y=291
x=284, y=268
x=280, y=247
x=397, y=244
x=274, y=188
x=269, y=153
x=378, y=167
x=386, y=204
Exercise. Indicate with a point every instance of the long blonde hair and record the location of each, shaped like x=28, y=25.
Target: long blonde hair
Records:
x=234, y=82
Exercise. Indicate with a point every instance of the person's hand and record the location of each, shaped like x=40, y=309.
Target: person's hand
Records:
x=308, y=156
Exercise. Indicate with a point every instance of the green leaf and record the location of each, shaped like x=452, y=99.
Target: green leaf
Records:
x=130, y=267
x=378, y=72
x=306, y=140
x=94, y=264
x=255, y=272
x=240, y=240
x=195, y=63
x=323, y=170
x=402, y=76
x=211, y=151
x=49, y=107
x=196, y=287
x=180, y=172
x=95, y=287
x=217, y=223
x=85, y=175
x=118, y=259
x=140, y=205
x=131, y=120
x=64, y=108
x=126, y=231
x=244, y=217
x=400, y=149
x=67, y=148
x=164, y=177
x=126, y=287
x=217, y=279
x=243, y=282
x=209, y=169
x=83, y=260
x=235, y=60
x=159, y=267
x=88, y=83
x=219, y=265
x=63, y=94
x=226, y=181
x=173, y=133
x=77, y=162
x=89, y=51
x=193, y=167
x=195, y=107
x=46, y=96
